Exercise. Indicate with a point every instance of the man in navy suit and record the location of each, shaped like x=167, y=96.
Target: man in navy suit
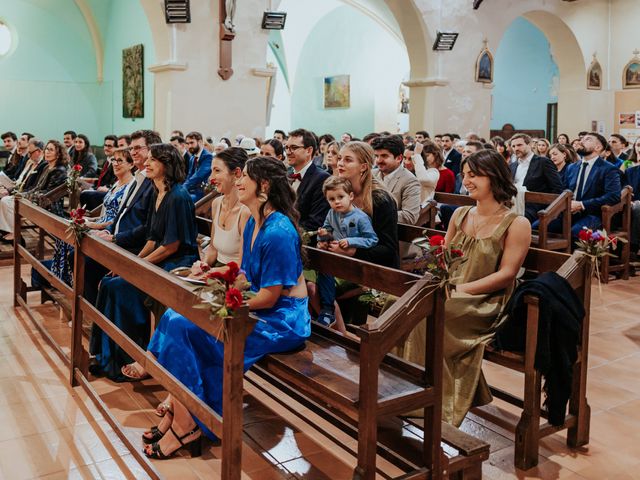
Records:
x=452, y=157
x=128, y=229
x=535, y=173
x=307, y=179
x=199, y=166
x=594, y=182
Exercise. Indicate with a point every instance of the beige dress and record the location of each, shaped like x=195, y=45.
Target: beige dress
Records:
x=470, y=322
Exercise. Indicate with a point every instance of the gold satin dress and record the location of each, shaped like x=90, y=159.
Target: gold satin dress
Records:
x=470, y=323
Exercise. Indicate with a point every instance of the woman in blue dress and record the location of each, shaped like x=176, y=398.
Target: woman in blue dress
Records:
x=171, y=233
x=272, y=261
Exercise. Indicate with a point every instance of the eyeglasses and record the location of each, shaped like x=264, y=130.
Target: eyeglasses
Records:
x=118, y=161
x=137, y=148
x=292, y=148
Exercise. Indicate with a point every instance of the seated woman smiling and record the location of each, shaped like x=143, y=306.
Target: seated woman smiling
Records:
x=271, y=258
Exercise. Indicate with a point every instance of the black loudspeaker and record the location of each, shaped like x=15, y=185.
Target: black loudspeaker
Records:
x=177, y=11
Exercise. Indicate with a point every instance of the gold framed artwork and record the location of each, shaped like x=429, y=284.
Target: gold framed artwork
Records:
x=337, y=91
x=594, y=75
x=133, y=82
x=631, y=72
x=484, y=66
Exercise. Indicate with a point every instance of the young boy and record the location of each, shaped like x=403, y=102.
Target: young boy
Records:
x=346, y=225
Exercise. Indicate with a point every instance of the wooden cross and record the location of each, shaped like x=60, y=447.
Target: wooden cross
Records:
x=227, y=34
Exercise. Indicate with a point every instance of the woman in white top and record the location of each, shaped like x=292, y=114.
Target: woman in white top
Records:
x=416, y=161
x=228, y=214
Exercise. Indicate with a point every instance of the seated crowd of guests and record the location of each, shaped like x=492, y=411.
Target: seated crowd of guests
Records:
x=351, y=192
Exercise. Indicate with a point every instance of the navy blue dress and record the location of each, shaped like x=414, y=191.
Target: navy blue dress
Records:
x=124, y=304
x=196, y=358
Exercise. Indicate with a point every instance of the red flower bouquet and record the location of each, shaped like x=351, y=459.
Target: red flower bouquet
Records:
x=72, y=179
x=597, y=244
x=437, y=259
x=78, y=226
x=224, y=292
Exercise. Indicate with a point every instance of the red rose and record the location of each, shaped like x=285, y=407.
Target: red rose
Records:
x=77, y=168
x=584, y=235
x=232, y=273
x=436, y=240
x=215, y=275
x=233, y=298
x=456, y=253
x=205, y=267
x=438, y=251
x=79, y=221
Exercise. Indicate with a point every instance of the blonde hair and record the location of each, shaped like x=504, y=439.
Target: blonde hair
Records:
x=364, y=153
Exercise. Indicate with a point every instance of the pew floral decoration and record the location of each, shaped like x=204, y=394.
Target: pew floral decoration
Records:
x=596, y=244
x=78, y=224
x=72, y=178
x=223, y=293
x=438, y=260
x=208, y=187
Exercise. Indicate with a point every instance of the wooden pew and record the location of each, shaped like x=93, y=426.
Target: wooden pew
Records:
x=557, y=206
x=164, y=287
x=359, y=382
x=577, y=270
x=623, y=231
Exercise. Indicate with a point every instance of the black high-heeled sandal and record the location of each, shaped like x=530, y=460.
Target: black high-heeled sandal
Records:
x=156, y=433
x=195, y=446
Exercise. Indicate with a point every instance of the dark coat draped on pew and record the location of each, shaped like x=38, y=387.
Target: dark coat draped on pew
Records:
x=560, y=319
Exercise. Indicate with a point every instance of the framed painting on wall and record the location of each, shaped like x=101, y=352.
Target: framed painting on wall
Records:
x=484, y=66
x=133, y=82
x=594, y=75
x=337, y=91
x=631, y=72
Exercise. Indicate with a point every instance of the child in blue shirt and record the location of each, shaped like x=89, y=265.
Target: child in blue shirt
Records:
x=345, y=224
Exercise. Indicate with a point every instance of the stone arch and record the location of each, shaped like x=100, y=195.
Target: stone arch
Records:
x=417, y=41
x=570, y=59
x=96, y=38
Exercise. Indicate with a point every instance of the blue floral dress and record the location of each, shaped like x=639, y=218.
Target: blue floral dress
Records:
x=196, y=358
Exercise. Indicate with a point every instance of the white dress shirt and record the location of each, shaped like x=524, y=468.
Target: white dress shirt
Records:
x=522, y=169
x=296, y=183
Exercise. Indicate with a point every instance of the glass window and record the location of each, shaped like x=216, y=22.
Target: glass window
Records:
x=5, y=39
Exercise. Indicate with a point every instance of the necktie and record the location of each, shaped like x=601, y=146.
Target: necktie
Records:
x=104, y=170
x=581, y=179
x=295, y=176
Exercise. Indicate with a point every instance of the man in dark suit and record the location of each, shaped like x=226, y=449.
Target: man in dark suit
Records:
x=128, y=228
x=181, y=144
x=452, y=157
x=199, y=165
x=93, y=197
x=535, y=173
x=307, y=179
x=594, y=181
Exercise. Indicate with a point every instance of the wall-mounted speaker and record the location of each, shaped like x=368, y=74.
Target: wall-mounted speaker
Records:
x=177, y=11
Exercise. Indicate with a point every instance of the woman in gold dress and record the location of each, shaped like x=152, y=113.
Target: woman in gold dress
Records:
x=495, y=242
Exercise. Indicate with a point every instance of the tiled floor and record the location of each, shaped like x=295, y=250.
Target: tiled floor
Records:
x=48, y=430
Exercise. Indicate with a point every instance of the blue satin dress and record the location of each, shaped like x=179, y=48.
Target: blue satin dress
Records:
x=196, y=358
x=124, y=304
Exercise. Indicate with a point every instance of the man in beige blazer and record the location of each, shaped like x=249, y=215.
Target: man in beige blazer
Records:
x=400, y=182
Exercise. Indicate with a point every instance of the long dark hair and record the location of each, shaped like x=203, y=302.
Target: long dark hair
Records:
x=62, y=157
x=78, y=157
x=173, y=163
x=279, y=194
x=489, y=163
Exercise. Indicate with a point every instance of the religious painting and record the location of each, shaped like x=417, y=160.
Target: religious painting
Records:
x=133, y=82
x=631, y=74
x=484, y=66
x=627, y=119
x=337, y=93
x=594, y=75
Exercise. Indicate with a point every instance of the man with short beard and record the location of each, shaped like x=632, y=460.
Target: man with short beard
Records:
x=199, y=165
x=594, y=183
